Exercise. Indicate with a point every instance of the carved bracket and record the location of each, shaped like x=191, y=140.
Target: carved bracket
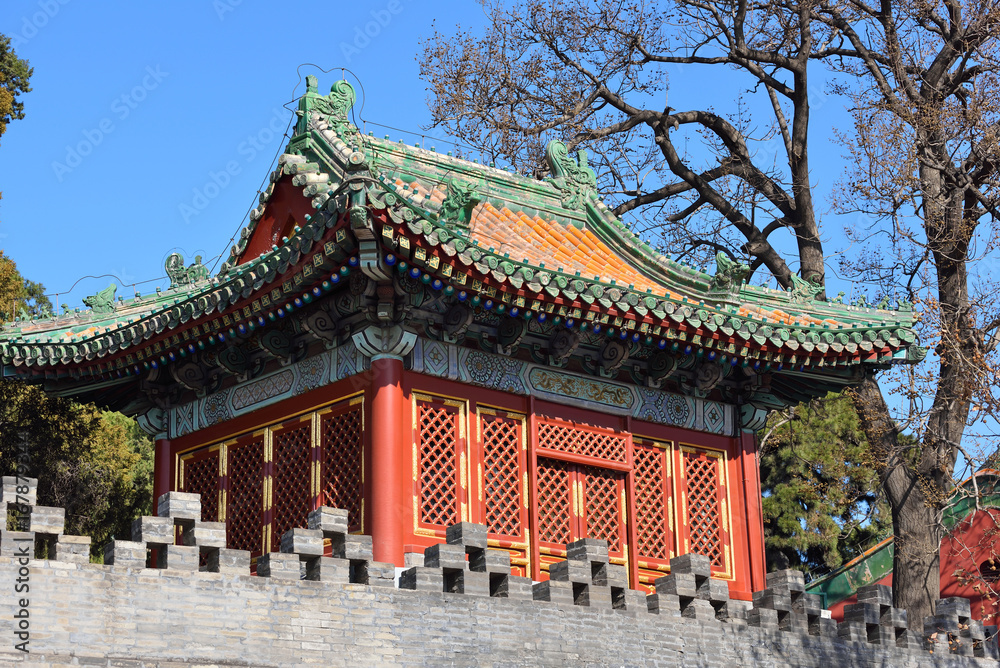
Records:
x=235, y=360
x=160, y=391
x=613, y=355
x=322, y=324
x=562, y=345
x=456, y=322
x=707, y=376
x=189, y=374
x=509, y=335
x=755, y=383
x=153, y=421
x=659, y=368
x=372, y=264
x=752, y=418
x=393, y=341
x=197, y=376
x=385, y=312
x=286, y=348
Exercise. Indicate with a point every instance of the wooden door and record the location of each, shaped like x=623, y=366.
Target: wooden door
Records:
x=503, y=484
x=579, y=501
x=602, y=509
x=655, y=542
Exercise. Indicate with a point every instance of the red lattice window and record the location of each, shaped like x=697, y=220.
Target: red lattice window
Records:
x=651, y=493
x=603, y=498
x=438, y=441
x=705, y=520
x=201, y=476
x=502, y=438
x=597, y=444
x=341, y=483
x=555, y=499
x=245, y=497
x=292, y=492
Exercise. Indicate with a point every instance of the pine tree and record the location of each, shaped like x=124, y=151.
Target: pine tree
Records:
x=821, y=492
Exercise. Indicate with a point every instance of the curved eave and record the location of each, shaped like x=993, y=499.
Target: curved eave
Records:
x=677, y=322
x=179, y=322
x=868, y=568
x=876, y=562
x=769, y=320
x=404, y=189
x=676, y=326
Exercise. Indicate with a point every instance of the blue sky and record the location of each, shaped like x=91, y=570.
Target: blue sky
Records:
x=151, y=126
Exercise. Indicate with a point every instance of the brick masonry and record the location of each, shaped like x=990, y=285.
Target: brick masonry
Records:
x=460, y=609
x=83, y=614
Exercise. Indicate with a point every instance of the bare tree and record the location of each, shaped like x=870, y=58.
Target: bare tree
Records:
x=922, y=78
x=921, y=81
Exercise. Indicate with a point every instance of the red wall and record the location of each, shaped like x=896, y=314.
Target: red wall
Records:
x=390, y=518
x=962, y=552
x=286, y=209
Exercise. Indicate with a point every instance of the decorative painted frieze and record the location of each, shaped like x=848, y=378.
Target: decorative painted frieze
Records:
x=498, y=372
x=289, y=381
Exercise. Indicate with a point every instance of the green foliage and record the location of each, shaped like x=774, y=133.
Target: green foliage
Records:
x=18, y=295
x=14, y=76
x=821, y=500
x=98, y=466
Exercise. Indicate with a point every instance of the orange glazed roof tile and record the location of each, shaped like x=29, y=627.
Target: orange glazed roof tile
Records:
x=541, y=243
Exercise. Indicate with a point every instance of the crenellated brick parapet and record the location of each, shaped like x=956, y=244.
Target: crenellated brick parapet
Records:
x=688, y=602
x=41, y=527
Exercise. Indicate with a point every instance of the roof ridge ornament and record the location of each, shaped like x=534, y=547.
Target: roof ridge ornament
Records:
x=103, y=301
x=307, y=102
x=729, y=274
x=341, y=99
x=337, y=105
x=459, y=201
x=574, y=178
x=181, y=275
x=805, y=290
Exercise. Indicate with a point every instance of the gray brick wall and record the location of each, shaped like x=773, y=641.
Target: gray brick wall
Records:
x=460, y=606
x=123, y=616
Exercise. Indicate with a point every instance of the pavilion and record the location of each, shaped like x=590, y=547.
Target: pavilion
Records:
x=422, y=340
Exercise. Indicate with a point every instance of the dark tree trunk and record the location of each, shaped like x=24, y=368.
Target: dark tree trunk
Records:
x=916, y=565
x=916, y=524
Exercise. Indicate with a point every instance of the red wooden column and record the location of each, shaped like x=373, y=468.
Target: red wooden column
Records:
x=390, y=460
x=754, y=511
x=630, y=528
x=162, y=473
